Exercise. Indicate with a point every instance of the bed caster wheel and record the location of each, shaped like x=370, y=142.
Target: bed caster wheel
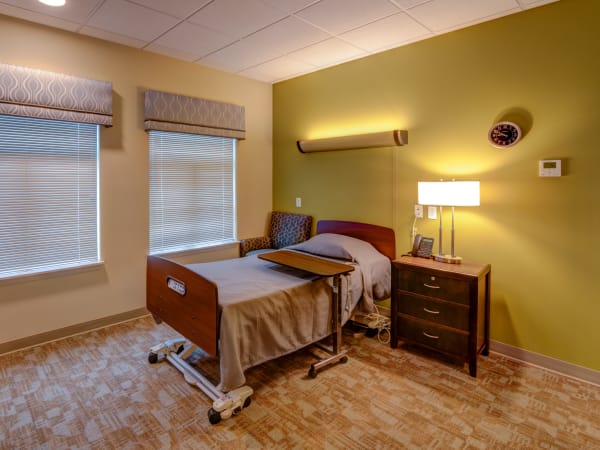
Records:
x=214, y=417
x=247, y=402
x=152, y=357
x=344, y=359
x=312, y=372
x=180, y=349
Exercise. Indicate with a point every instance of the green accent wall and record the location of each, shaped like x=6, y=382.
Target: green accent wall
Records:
x=539, y=68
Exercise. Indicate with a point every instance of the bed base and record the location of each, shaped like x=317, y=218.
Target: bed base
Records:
x=225, y=405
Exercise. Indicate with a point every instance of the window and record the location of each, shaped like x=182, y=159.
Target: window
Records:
x=192, y=191
x=48, y=195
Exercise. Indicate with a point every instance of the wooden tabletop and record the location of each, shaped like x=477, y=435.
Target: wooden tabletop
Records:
x=309, y=263
x=468, y=268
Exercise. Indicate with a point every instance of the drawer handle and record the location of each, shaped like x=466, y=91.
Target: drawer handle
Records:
x=430, y=336
x=431, y=286
x=430, y=311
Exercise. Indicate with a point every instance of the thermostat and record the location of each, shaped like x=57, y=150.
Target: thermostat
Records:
x=550, y=168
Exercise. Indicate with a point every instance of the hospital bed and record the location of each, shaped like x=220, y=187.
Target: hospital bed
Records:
x=246, y=311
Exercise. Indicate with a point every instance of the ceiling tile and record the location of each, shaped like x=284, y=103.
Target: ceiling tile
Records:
x=283, y=37
x=73, y=11
x=278, y=69
x=268, y=40
x=290, y=6
x=181, y=9
x=385, y=33
x=337, y=16
x=190, y=39
x=250, y=16
x=233, y=58
x=535, y=3
x=441, y=15
x=38, y=17
x=406, y=4
x=172, y=53
x=327, y=53
x=130, y=20
x=112, y=37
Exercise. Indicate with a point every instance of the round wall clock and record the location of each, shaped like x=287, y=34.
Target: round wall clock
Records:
x=504, y=134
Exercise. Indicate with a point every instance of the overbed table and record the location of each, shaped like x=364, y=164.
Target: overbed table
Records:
x=323, y=268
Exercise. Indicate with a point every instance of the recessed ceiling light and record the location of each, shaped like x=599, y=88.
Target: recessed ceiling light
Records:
x=53, y=2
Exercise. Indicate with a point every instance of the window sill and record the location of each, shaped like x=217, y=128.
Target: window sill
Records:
x=194, y=251
x=34, y=276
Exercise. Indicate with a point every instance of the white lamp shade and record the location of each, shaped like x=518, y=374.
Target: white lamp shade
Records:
x=448, y=193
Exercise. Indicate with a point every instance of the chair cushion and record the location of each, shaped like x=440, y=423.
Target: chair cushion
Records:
x=289, y=228
x=253, y=244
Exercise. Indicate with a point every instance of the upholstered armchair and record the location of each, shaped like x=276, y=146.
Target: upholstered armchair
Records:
x=284, y=229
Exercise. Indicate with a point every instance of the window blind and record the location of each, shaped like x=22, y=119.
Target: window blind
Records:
x=192, y=191
x=48, y=195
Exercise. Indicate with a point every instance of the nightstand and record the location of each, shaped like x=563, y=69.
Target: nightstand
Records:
x=443, y=307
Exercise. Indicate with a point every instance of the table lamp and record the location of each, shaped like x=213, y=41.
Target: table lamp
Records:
x=448, y=193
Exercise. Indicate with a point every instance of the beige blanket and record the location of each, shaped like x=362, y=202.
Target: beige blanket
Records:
x=268, y=310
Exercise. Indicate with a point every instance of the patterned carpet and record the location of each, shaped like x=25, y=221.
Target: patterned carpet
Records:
x=97, y=391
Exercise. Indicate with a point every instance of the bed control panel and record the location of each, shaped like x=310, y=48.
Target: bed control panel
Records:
x=176, y=285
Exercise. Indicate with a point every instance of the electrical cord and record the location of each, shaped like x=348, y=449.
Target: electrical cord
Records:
x=380, y=323
x=413, y=231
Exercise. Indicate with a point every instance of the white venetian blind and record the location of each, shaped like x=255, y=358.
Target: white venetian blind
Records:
x=192, y=191
x=48, y=195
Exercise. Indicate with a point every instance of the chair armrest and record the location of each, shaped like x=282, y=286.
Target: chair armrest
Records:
x=255, y=243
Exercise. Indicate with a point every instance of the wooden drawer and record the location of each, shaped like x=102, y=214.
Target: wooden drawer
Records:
x=445, y=313
x=444, y=307
x=433, y=335
x=450, y=289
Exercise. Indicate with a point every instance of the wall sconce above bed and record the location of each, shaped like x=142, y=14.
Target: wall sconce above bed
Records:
x=392, y=138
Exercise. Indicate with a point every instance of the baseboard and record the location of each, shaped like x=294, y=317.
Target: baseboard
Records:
x=555, y=365
x=42, y=338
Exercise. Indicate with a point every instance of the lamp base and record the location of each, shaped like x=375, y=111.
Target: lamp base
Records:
x=448, y=259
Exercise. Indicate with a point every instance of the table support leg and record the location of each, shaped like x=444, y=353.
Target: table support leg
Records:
x=337, y=354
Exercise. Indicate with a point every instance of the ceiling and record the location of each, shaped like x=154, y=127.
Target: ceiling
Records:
x=267, y=40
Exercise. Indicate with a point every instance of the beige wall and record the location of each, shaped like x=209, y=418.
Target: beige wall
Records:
x=30, y=307
x=540, y=68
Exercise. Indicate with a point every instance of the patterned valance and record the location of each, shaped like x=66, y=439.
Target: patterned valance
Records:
x=171, y=112
x=48, y=95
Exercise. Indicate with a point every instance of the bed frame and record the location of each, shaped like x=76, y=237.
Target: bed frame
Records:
x=188, y=303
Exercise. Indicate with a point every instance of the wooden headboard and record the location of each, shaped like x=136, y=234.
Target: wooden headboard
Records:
x=382, y=238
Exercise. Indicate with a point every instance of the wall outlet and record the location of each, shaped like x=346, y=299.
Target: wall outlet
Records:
x=419, y=211
x=298, y=202
x=432, y=212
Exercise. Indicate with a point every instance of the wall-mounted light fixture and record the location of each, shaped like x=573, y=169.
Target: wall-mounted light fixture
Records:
x=393, y=138
x=448, y=193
